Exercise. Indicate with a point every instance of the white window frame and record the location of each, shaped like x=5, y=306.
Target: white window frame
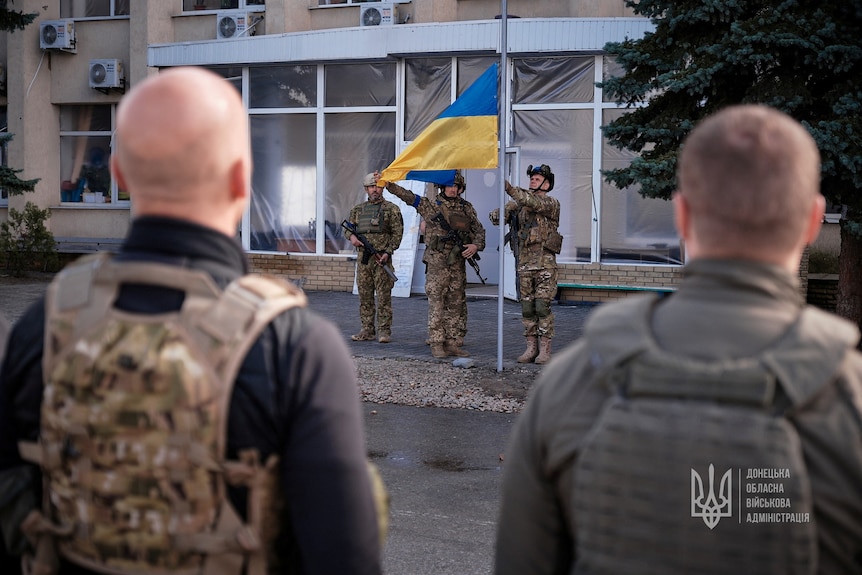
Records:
x=115, y=202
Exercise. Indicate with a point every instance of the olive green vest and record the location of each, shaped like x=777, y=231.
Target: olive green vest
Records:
x=696, y=466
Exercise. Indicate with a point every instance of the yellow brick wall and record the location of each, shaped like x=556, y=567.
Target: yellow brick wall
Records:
x=318, y=273
x=660, y=278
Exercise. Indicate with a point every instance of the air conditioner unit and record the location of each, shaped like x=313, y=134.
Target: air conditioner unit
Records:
x=378, y=14
x=57, y=35
x=106, y=74
x=231, y=25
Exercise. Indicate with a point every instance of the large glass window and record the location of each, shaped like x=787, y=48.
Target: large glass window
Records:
x=85, y=153
x=356, y=144
x=427, y=92
x=282, y=87
x=360, y=84
x=634, y=229
x=553, y=80
x=93, y=8
x=284, y=184
x=356, y=125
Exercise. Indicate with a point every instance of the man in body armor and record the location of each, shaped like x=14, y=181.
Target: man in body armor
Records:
x=445, y=267
x=717, y=430
x=154, y=458
x=380, y=222
x=538, y=216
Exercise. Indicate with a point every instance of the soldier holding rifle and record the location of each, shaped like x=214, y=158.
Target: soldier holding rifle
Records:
x=380, y=224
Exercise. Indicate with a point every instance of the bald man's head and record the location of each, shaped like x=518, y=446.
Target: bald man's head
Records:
x=183, y=144
x=750, y=176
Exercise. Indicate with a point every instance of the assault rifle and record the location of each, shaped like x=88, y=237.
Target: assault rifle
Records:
x=512, y=238
x=452, y=235
x=367, y=249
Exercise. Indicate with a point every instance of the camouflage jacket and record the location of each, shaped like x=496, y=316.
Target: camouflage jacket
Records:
x=380, y=223
x=538, y=216
x=439, y=251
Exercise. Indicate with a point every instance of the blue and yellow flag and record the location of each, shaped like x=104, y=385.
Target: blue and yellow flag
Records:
x=463, y=136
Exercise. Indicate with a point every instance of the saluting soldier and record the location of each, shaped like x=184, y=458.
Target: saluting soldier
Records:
x=380, y=222
x=539, y=242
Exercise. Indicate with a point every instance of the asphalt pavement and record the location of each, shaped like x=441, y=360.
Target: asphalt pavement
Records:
x=442, y=467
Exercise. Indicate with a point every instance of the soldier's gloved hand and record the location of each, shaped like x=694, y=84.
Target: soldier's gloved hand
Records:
x=508, y=187
x=494, y=216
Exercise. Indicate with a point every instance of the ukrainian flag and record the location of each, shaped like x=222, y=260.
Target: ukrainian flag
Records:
x=463, y=136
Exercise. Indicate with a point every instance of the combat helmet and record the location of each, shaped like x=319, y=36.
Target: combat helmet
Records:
x=459, y=181
x=545, y=171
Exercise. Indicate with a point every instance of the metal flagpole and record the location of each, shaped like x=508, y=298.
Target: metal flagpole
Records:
x=504, y=106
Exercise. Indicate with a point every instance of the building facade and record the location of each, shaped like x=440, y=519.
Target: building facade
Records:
x=335, y=90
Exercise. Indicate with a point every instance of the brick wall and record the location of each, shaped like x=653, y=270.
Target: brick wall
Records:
x=823, y=291
x=611, y=281
x=319, y=273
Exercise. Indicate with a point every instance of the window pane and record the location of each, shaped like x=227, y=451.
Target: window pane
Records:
x=121, y=7
x=469, y=70
x=85, y=118
x=4, y=152
x=610, y=69
x=360, y=84
x=284, y=183
x=634, y=229
x=282, y=87
x=428, y=91
x=84, y=168
x=85, y=8
x=356, y=144
x=563, y=140
x=232, y=75
x=553, y=80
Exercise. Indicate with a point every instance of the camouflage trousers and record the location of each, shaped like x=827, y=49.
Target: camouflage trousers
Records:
x=371, y=280
x=446, y=288
x=537, y=289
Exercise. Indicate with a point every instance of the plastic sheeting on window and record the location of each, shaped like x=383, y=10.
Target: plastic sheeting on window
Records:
x=469, y=70
x=282, y=87
x=360, y=84
x=427, y=92
x=634, y=229
x=563, y=140
x=553, y=80
x=284, y=183
x=356, y=144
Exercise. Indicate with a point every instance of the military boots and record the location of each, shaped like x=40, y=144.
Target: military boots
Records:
x=544, y=350
x=531, y=352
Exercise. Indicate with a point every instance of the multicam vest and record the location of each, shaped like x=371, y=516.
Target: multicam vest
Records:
x=134, y=419
x=696, y=467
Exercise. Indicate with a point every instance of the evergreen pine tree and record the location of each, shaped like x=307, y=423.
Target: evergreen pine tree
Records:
x=803, y=58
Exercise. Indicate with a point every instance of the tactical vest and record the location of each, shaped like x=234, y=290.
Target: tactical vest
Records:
x=371, y=219
x=696, y=467
x=133, y=424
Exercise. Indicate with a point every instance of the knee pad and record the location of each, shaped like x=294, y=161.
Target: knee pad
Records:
x=528, y=309
x=543, y=308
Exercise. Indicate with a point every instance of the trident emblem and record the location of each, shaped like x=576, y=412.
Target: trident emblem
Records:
x=713, y=508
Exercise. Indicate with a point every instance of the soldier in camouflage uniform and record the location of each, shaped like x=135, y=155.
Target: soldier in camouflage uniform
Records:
x=539, y=243
x=446, y=273
x=382, y=225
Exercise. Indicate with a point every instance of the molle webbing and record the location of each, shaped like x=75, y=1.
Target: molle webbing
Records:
x=134, y=421
x=663, y=478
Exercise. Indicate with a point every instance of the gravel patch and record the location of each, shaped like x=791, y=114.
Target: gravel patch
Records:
x=439, y=384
